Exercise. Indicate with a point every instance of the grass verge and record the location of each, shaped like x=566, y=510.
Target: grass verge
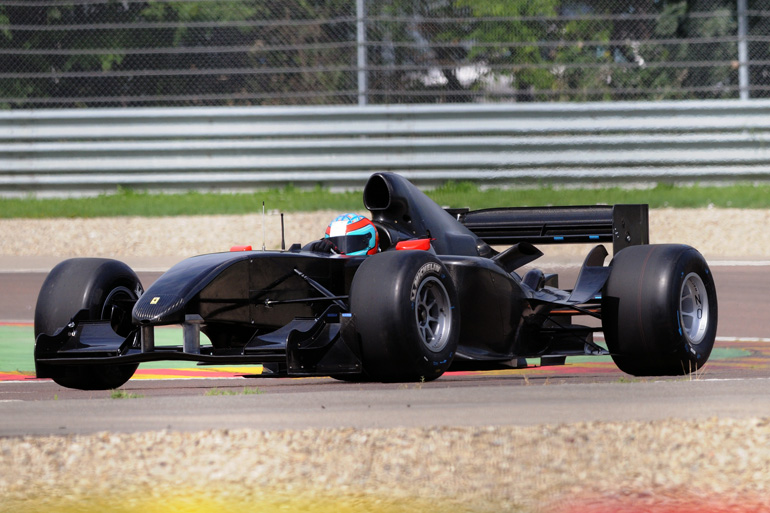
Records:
x=126, y=202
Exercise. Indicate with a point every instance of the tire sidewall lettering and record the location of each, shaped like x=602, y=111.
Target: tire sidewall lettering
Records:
x=429, y=268
x=685, y=269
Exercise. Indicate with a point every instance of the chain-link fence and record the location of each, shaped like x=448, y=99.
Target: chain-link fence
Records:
x=100, y=53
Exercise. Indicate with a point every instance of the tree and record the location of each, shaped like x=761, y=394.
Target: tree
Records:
x=157, y=52
x=592, y=49
x=226, y=52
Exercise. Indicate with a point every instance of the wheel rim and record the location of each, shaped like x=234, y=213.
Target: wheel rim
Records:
x=433, y=313
x=111, y=311
x=694, y=309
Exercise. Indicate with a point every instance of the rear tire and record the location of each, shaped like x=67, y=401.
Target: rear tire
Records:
x=99, y=286
x=659, y=310
x=404, y=307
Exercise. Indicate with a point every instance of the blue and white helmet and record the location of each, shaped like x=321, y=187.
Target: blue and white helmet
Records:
x=352, y=234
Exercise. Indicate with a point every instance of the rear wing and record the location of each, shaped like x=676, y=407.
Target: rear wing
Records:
x=622, y=225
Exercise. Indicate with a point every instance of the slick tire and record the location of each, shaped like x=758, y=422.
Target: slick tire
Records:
x=404, y=303
x=659, y=310
x=100, y=286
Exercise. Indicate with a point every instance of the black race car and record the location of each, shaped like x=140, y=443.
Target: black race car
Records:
x=438, y=295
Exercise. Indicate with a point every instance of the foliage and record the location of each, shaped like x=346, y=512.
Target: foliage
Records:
x=588, y=50
x=523, y=22
x=197, y=53
x=248, y=52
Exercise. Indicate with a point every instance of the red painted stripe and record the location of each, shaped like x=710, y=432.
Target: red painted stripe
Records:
x=662, y=504
x=15, y=376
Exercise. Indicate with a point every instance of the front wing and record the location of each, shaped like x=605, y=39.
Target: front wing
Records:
x=327, y=345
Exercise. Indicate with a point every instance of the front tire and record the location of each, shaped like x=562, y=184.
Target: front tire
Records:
x=659, y=310
x=404, y=306
x=102, y=287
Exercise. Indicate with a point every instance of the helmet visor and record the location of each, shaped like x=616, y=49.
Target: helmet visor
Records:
x=349, y=244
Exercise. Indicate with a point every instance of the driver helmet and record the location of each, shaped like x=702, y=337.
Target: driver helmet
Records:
x=352, y=234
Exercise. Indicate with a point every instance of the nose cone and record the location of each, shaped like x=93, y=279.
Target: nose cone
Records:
x=159, y=309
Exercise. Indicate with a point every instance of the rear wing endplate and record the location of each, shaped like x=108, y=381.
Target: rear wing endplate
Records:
x=622, y=225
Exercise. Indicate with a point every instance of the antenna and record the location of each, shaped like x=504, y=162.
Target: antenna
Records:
x=283, y=235
x=264, y=233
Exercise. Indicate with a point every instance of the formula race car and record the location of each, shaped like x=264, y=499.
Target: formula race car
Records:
x=443, y=291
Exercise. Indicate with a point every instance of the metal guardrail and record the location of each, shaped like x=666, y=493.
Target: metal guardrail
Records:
x=87, y=151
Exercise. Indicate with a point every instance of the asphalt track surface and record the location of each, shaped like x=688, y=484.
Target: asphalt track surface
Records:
x=735, y=383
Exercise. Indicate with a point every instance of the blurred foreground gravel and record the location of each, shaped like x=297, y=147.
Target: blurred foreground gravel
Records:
x=673, y=466
x=714, y=465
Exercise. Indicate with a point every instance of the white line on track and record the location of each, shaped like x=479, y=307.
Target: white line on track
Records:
x=561, y=264
x=731, y=379
x=742, y=339
x=740, y=263
x=600, y=337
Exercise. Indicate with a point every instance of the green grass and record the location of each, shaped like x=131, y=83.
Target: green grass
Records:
x=662, y=195
x=17, y=346
x=122, y=394
x=245, y=391
x=126, y=202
